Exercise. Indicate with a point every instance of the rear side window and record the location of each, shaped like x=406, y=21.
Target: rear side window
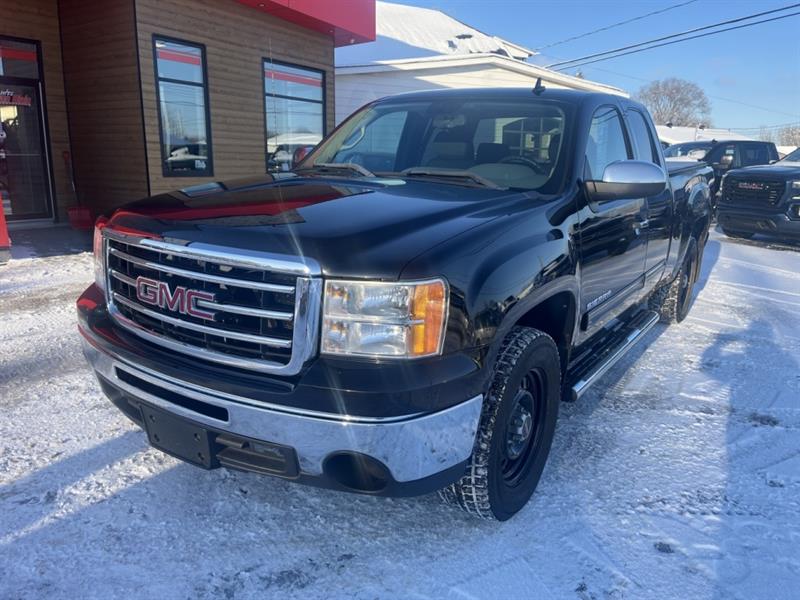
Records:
x=642, y=138
x=754, y=154
x=606, y=143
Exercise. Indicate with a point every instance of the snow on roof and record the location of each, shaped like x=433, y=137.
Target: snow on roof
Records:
x=414, y=32
x=678, y=135
x=478, y=60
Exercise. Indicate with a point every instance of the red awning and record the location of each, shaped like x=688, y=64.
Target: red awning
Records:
x=348, y=21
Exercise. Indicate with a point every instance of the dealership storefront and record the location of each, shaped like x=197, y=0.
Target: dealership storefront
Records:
x=107, y=101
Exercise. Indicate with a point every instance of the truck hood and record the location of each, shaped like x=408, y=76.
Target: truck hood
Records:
x=351, y=227
x=788, y=170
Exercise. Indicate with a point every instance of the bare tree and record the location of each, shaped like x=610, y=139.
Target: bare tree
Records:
x=676, y=101
x=766, y=134
x=789, y=136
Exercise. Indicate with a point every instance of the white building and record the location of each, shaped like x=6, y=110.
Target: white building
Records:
x=425, y=49
x=678, y=135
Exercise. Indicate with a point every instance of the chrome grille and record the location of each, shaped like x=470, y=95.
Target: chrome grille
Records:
x=757, y=192
x=250, y=310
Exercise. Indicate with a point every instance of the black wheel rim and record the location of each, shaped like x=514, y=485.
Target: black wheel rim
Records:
x=523, y=431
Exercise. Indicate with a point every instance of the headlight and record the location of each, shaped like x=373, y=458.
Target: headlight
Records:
x=98, y=247
x=796, y=185
x=390, y=320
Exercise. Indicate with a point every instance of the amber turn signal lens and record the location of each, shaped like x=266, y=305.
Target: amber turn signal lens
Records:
x=428, y=313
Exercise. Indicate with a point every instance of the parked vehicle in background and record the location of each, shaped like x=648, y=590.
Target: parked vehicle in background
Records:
x=405, y=310
x=763, y=199
x=725, y=155
x=695, y=150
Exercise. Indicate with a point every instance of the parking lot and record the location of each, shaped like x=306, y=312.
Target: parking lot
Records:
x=676, y=477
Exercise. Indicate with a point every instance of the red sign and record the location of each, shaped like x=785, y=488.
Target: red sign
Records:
x=10, y=98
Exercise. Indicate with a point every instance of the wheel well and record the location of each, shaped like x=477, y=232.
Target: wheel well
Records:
x=556, y=317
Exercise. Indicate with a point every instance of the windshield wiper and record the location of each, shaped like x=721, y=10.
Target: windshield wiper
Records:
x=464, y=176
x=352, y=167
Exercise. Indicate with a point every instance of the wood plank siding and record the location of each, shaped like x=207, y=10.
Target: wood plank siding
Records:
x=236, y=39
x=103, y=97
x=38, y=20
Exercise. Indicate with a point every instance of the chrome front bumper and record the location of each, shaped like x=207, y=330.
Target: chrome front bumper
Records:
x=411, y=448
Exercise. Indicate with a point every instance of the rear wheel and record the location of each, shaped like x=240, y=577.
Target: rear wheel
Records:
x=516, y=428
x=674, y=300
x=744, y=235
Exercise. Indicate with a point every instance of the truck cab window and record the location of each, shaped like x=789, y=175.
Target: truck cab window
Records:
x=606, y=143
x=726, y=151
x=514, y=144
x=374, y=144
x=754, y=154
x=642, y=138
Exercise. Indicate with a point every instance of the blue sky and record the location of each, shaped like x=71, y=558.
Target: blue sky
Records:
x=743, y=72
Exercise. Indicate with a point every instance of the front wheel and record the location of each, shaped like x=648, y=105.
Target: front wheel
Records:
x=516, y=428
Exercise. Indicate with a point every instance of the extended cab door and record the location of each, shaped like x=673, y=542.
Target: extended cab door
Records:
x=657, y=226
x=613, y=244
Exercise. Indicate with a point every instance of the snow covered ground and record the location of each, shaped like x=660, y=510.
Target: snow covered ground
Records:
x=678, y=476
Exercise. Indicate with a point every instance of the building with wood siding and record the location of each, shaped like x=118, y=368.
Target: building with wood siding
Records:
x=106, y=101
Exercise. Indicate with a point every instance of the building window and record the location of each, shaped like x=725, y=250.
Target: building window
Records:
x=294, y=105
x=183, y=108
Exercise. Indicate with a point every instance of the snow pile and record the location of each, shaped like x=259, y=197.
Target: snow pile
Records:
x=678, y=476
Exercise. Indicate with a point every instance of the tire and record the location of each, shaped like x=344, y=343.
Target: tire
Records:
x=511, y=448
x=673, y=301
x=742, y=235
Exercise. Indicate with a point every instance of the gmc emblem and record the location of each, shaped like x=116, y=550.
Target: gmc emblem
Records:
x=182, y=300
x=749, y=185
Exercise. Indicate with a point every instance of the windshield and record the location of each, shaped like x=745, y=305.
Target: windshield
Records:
x=792, y=156
x=515, y=144
x=684, y=149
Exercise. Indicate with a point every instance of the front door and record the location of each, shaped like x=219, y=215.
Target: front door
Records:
x=24, y=174
x=613, y=244
x=658, y=226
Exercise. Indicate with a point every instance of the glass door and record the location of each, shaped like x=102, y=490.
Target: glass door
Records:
x=24, y=175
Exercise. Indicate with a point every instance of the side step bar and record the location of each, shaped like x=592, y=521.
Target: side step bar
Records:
x=591, y=365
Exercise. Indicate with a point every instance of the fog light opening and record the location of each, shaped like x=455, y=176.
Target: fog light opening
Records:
x=357, y=472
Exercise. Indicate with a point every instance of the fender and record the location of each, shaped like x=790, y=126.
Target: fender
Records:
x=697, y=212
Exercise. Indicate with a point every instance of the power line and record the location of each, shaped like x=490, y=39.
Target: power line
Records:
x=674, y=35
x=731, y=100
x=760, y=127
x=613, y=25
x=686, y=39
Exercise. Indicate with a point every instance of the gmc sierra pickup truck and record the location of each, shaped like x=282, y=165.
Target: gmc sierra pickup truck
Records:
x=762, y=200
x=405, y=310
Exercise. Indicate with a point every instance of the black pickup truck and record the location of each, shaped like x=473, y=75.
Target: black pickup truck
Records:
x=404, y=311
x=725, y=155
x=762, y=200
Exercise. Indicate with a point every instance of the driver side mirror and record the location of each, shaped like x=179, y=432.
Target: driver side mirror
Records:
x=628, y=179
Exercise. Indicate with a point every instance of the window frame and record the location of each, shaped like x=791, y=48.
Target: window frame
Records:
x=324, y=102
x=51, y=212
x=654, y=152
x=625, y=134
x=209, y=170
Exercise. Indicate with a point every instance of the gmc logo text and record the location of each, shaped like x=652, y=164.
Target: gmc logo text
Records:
x=180, y=299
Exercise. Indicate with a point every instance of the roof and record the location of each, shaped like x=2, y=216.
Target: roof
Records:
x=678, y=135
x=460, y=60
x=413, y=32
x=524, y=93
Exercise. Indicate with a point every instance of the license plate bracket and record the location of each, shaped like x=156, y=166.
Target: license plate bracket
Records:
x=180, y=438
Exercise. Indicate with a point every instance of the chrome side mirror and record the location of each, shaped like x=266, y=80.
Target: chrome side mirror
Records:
x=628, y=179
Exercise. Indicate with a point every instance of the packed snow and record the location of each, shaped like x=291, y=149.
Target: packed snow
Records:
x=677, y=476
